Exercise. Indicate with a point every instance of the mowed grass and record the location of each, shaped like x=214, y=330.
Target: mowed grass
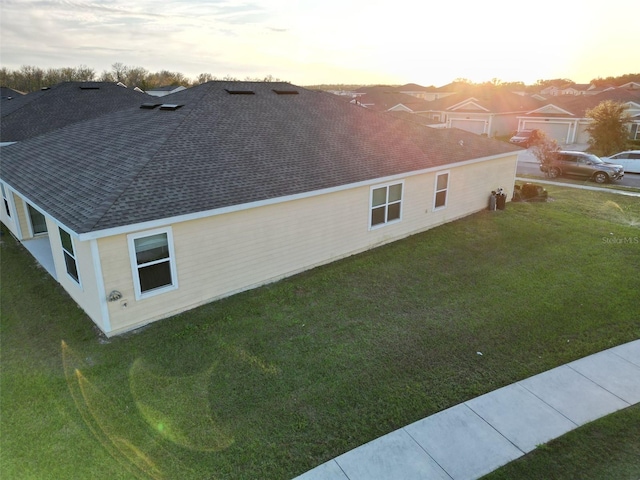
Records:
x=272, y=382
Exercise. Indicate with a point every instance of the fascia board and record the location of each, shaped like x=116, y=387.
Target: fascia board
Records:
x=274, y=201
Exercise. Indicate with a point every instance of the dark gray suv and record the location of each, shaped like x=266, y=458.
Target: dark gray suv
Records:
x=581, y=164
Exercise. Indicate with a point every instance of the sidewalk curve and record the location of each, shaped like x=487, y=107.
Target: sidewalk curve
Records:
x=476, y=437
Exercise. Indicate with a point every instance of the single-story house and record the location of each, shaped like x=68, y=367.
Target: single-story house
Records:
x=573, y=89
x=428, y=93
x=389, y=99
x=166, y=90
x=51, y=108
x=482, y=110
x=563, y=118
x=149, y=211
x=7, y=93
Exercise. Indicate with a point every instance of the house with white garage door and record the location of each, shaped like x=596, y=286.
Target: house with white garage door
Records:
x=563, y=118
x=149, y=211
x=482, y=110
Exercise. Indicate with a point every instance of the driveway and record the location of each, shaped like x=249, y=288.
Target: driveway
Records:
x=528, y=165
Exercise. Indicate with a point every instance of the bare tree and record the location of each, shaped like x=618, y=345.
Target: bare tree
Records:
x=204, y=78
x=106, y=76
x=119, y=71
x=543, y=147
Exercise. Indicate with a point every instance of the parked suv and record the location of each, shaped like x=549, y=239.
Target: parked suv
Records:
x=581, y=164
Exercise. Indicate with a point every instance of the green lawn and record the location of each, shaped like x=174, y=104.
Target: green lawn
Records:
x=608, y=449
x=270, y=383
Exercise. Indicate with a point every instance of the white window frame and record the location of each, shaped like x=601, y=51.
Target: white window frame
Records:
x=445, y=189
x=131, y=238
x=7, y=206
x=386, y=204
x=27, y=214
x=72, y=255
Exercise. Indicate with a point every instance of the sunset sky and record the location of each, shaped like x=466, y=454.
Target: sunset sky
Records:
x=312, y=42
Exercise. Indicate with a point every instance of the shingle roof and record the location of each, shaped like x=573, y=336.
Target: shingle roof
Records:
x=49, y=109
x=9, y=93
x=579, y=104
x=494, y=100
x=221, y=150
x=382, y=100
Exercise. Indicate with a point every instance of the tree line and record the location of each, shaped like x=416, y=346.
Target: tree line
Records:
x=30, y=78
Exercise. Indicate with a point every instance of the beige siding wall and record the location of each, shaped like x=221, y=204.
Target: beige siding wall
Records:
x=86, y=294
x=225, y=254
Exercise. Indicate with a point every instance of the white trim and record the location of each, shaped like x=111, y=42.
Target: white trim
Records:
x=10, y=210
x=400, y=108
x=464, y=102
x=164, y=222
x=134, y=263
x=12, y=206
x=97, y=268
x=58, y=223
x=30, y=223
x=446, y=190
x=386, y=204
x=73, y=255
x=467, y=105
x=546, y=109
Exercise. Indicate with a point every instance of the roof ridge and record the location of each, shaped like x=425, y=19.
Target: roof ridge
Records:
x=152, y=154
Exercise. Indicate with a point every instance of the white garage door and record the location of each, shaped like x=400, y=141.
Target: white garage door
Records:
x=557, y=131
x=473, y=126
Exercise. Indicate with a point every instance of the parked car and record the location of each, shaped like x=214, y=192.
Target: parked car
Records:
x=524, y=138
x=581, y=164
x=529, y=192
x=630, y=160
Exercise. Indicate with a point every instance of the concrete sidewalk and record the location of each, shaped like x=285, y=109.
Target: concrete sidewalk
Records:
x=474, y=438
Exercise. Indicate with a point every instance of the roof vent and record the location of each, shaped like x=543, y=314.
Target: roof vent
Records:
x=286, y=92
x=120, y=84
x=150, y=105
x=240, y=92
x=89, y=87
x=171, y=106
x=45, y=88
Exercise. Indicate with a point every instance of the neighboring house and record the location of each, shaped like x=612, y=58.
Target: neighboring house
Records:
x=167, y=90
x=631, y=85
x=571, y=89
x=417, y=118
x=149, y=211
x=7, y=93
x=385, y=99
x=563, y=118
x=54, y=107
x=427, y=93
x=483, y=110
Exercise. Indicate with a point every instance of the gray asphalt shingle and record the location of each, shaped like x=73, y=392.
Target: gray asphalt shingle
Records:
x=220, y=150
x=46, y=110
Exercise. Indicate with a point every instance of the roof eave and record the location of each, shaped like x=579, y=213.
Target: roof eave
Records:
x=125, y=229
